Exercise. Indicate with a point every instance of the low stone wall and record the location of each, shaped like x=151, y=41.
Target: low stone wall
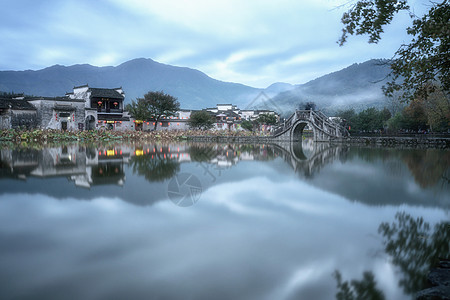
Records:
x=232, y=139
x=394, y=141
x=370, y=141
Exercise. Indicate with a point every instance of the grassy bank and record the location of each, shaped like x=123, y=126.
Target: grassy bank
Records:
x=51, y=136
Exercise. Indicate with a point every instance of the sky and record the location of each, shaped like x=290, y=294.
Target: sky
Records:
x=253, y=42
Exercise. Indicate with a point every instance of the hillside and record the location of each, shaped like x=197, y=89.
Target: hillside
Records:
x=357, y=86
x=193, y=88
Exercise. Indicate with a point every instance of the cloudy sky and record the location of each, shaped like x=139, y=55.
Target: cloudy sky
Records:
x=254, y=42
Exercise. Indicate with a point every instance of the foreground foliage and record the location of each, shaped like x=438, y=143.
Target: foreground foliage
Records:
x=420, y=67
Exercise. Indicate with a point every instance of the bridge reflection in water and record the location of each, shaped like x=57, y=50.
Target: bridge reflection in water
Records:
x=308, y=157
x=103, y=170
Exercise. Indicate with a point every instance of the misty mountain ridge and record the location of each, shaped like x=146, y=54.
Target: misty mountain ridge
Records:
x=357, y=86
x=193, y=88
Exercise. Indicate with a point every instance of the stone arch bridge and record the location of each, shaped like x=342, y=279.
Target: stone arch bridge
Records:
x=323, y=129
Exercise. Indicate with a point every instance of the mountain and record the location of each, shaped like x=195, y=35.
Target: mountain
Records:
x=357, y=86
x=193, y=88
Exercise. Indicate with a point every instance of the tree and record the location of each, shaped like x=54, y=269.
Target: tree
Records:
x=415, y=65
x=415, y=117
x=437, y=111
x=396, y=122
x=153, y=106
x=266, y=119
x=247, y=125
x=310, y=106
x=201, y=120
x=349, y=118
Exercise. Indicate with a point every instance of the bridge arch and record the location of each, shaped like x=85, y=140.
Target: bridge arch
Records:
x=323, y=129
x=297, y=130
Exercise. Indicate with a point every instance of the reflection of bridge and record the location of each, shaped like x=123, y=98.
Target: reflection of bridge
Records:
x=323, y=128
x=309, y=157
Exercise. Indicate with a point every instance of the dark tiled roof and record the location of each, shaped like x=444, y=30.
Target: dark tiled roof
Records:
x=64, y=107
x=66, y=99
x=16, y=104
x=112, y=118
x=105, y=93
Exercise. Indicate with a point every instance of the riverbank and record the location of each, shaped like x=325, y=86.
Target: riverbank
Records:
x=49, y=136
x=57, y=136
x=390, y=141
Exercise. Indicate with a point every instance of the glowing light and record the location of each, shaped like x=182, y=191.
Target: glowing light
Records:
x=139, y=152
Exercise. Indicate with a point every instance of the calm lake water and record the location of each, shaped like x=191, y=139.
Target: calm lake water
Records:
x=220, y=221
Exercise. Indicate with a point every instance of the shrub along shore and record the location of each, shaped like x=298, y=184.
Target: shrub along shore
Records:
x=49, y=136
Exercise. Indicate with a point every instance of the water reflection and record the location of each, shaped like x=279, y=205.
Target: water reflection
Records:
x=366, y=288
x=273, y=221
x=413, y=246
x=353, y=172
x=155, y=164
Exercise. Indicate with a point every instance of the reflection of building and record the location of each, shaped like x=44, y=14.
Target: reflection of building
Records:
x=85, y=166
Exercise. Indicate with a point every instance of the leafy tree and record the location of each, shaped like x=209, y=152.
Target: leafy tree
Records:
x=415, y=117
x=437, y=111
x=371, y=119
x=153, y=106
x=201, y=120
x=310, y=106
x=266, y=119
x=424, y=60
x=248, y=125
x=396, y=123
x=349, y=117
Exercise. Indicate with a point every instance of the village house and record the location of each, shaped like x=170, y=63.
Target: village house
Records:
x=42, y=112
x=87, y=108
x=226, y=117
x=16, y=113
x=104, y=108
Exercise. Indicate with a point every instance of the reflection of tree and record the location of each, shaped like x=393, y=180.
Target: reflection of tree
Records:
x=414, y=248
x=155, y=168
x=202, y=153
x=427, y=166
x=358, y=289
x=206, y=153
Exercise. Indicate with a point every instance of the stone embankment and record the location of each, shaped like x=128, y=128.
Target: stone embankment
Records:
x=232, y=139
x=441, y=142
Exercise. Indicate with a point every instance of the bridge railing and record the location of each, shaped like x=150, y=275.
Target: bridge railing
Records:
x=317, y=119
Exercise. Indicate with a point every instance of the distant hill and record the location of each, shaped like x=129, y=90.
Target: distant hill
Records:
x=357, y=86
x=193, y=88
